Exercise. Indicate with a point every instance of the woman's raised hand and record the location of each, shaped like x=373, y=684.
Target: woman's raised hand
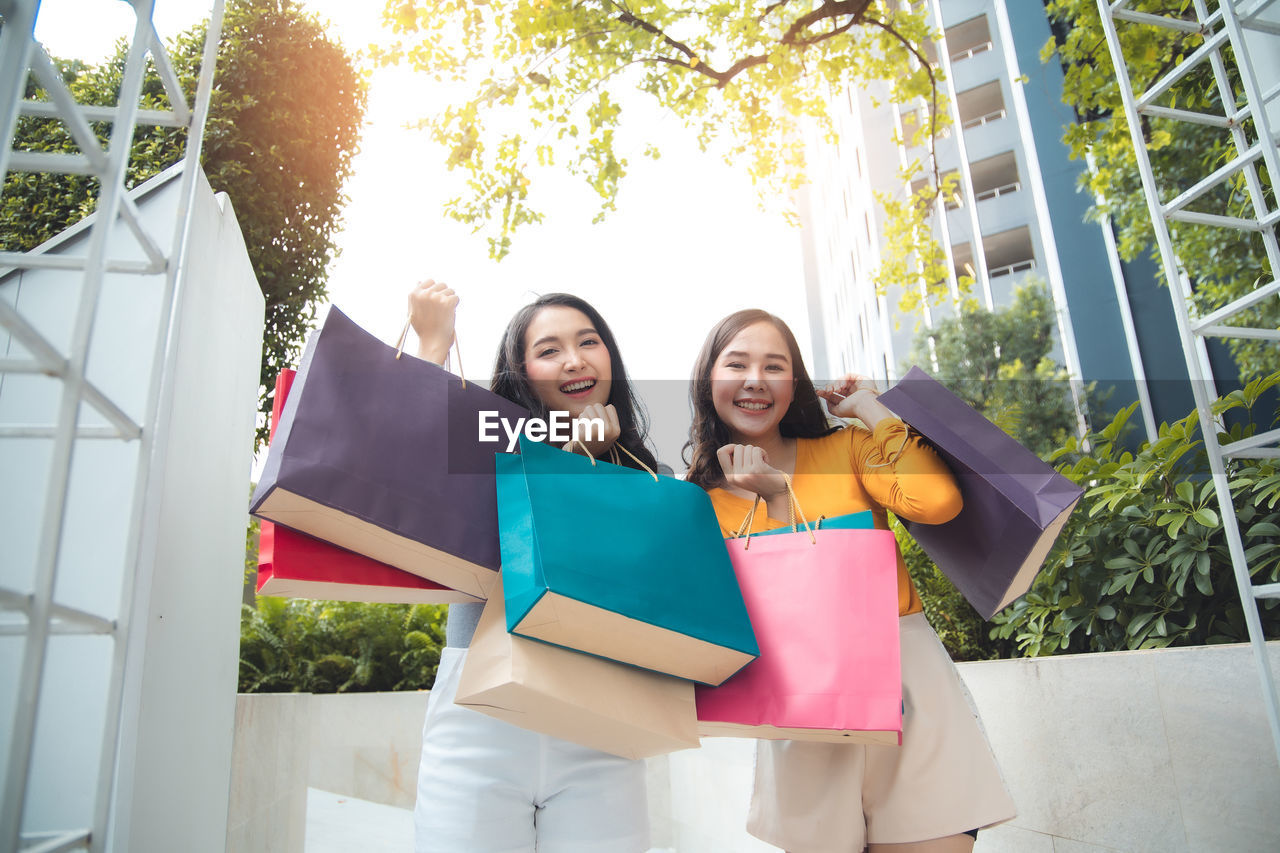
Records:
x=747, y=467
x=585, y=427
x=854, y=396
x=432, y=307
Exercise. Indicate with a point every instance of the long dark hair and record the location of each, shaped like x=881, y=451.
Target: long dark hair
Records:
x=511, y=379
x=804, y=418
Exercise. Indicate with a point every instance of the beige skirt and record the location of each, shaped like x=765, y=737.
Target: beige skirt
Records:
x=942, y=781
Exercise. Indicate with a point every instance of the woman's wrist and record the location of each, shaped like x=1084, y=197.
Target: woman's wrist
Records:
x=433, y=352
x=868, y=408
x=779, y=506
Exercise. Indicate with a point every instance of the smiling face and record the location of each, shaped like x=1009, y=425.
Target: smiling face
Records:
x=566, y=361
x=752, y=383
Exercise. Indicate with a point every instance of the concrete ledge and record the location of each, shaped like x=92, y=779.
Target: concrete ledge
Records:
x=269, y=764
x=367, y=745
x=1163, y=750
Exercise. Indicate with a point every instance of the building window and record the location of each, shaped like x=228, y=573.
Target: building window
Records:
x=968, y=38
x=980, y=105
x=995, y=176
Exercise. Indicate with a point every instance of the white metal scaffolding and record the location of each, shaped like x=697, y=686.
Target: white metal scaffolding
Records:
x=1239, y=39
x=32, y=616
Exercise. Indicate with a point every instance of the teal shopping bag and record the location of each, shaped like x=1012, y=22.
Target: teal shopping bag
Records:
x=618, y=563
x=853, y=521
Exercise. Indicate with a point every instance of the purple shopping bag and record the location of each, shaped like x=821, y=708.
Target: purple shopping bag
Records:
x=1014, y=503
x=384, y=457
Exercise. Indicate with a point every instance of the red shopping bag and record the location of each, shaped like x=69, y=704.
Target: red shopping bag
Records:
x=294, y=565
x=825, y=612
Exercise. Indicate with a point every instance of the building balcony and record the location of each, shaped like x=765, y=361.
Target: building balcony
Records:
x=973, y=54
x=1009, y=255
x=980, y=105
x=996, y=192
x=968, y=38
x=995, y=176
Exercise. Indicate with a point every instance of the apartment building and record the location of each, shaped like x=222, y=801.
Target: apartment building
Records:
x=1018, y=213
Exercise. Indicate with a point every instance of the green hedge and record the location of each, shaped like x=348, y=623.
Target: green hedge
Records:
x=338, y=647
x=1144, y=562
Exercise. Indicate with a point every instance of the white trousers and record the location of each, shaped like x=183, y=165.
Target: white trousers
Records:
x=485, y=786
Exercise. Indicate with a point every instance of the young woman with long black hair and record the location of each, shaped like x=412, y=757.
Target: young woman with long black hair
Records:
x=485, y=786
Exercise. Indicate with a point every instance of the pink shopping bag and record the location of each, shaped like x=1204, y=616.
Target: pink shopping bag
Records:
x=825, y=612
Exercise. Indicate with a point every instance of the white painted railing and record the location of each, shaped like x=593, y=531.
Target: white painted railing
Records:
x=994, y=115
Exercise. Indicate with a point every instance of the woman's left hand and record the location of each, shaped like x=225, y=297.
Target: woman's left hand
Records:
x=844, y=396
x=584, y=427
x=854, y=396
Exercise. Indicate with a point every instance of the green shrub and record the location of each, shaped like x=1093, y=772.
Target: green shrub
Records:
x=338, y=647
x=1143, y=561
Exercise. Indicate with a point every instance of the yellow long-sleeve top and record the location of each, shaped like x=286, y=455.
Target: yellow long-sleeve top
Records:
x=856, y=469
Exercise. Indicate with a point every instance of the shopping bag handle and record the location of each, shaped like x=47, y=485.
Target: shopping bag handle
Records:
x=404, y=333
x=893, y=460
x=613, y=452
x=793, y=507
x=613, y=456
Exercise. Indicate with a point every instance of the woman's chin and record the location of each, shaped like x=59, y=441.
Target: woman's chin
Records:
x=577, y=407
x=752, y=434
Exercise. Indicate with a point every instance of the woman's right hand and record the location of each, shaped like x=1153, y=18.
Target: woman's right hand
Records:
x=747, y=467
x=432, y=307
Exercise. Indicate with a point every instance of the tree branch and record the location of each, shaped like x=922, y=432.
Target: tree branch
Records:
x=933, y=94
x=625, y=17
x=769, y=9
x=818, y=39
x=856, y=9
x=793, y=37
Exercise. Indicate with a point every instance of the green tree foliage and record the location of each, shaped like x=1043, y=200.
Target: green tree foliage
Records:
x=1222, y=264
x=545, y=81
x=1143, y=561
x=338, y=647
x=1000, y=363
x=283, y=126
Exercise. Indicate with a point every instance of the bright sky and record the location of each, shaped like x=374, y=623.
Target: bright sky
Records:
x=687, y=246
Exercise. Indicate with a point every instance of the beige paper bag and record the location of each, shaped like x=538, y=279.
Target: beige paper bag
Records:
x=591, y=701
